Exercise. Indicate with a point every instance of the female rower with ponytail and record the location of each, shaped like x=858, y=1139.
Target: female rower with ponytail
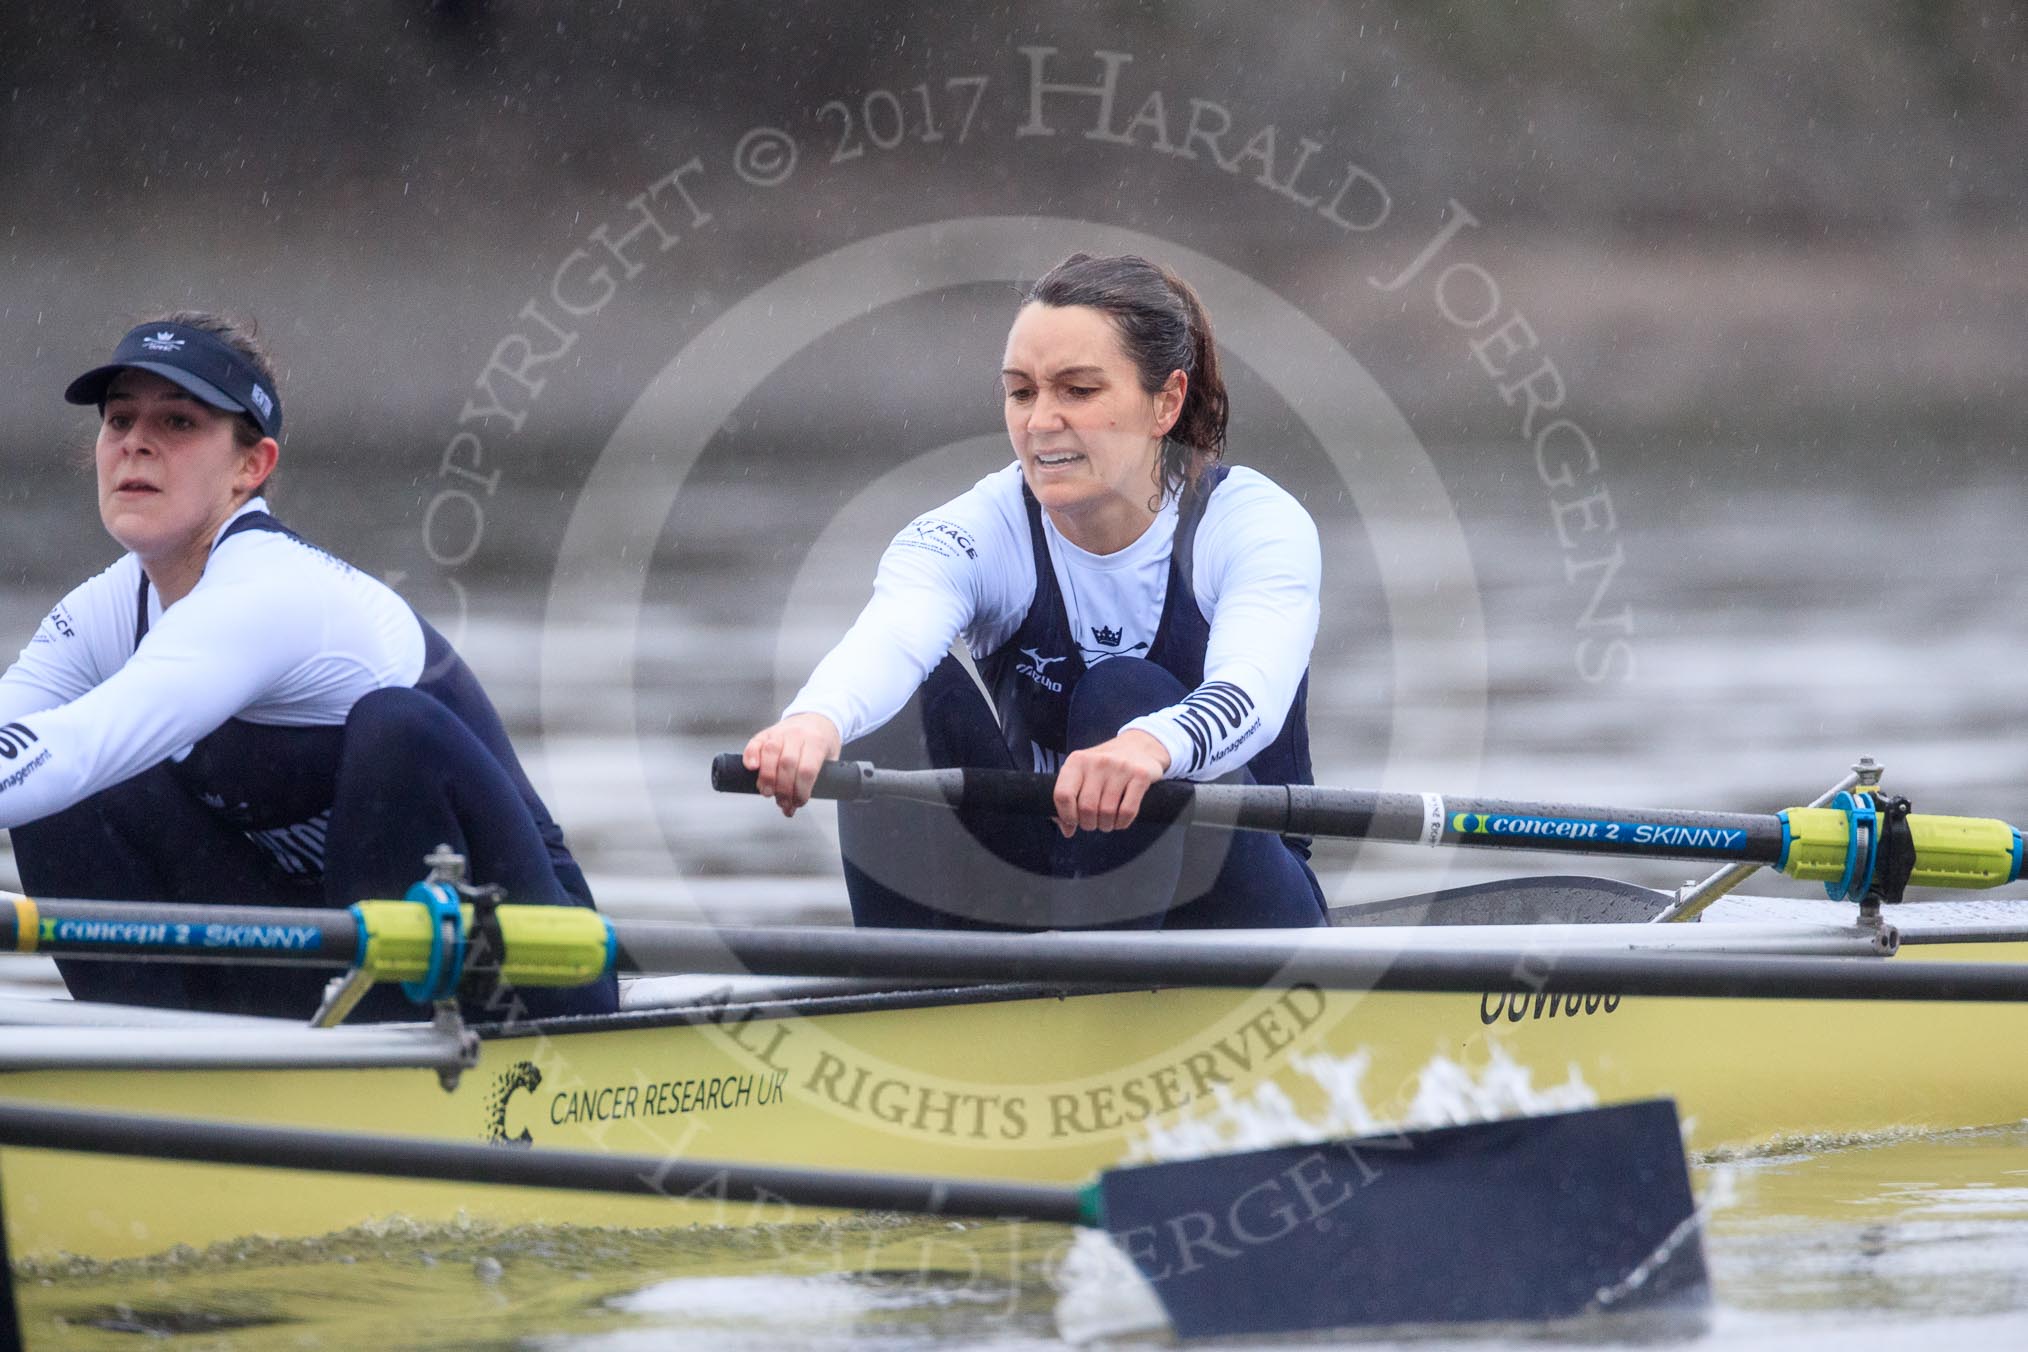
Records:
x=1137, y=610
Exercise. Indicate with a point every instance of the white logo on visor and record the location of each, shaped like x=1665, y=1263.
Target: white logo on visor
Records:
x=165, y=341
x=267, y=405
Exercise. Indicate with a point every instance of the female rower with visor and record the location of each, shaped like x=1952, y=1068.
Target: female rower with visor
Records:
x=1137, y=609
x=229, y=714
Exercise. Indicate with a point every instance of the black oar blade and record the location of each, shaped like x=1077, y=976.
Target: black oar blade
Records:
x=1557, y=900
x=1527, y=1219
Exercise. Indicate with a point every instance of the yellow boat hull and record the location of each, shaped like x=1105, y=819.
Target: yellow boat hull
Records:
x=1037, y=1087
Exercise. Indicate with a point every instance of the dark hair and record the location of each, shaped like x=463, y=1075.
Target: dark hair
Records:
x=1163, y=328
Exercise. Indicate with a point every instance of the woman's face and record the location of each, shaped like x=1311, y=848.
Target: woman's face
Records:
x=1086, y=433
x=169, y=470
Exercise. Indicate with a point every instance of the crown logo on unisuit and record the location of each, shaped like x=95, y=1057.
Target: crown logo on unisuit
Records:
x=1107, y=638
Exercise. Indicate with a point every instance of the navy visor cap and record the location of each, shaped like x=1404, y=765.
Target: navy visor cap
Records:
x=199, y=362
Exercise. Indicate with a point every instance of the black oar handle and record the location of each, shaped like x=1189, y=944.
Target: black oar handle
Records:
x=1012, y=791
x=842, y=780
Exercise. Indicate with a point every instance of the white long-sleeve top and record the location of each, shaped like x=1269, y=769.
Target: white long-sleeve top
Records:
x=276, y=632
x=967, y=570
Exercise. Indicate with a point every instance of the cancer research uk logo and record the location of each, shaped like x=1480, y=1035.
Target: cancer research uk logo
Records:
x=523, y=1077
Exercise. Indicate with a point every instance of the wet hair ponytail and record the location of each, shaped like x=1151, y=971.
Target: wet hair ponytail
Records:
x=1162, y=328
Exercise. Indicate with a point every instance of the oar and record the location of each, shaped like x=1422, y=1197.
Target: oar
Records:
x=1553, y=900
x=567, y=945
x=1526, y=1219
x=1847, y=845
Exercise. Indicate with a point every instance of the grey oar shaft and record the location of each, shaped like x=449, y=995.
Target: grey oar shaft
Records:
x=673, y=1177
x=1345, y=814
x=1143, y=960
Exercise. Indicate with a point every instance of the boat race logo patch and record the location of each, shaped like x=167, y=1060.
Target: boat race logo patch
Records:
x=522, y=1075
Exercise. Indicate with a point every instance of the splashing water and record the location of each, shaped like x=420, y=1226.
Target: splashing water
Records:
x=1101, y=1295
x=1446, y=1092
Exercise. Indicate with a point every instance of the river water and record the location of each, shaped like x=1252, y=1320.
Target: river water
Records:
x=1892, y=1244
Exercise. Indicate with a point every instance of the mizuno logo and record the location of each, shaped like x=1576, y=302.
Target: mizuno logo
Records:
x=1036, y=667
x=1106, y=638
x=164, y=341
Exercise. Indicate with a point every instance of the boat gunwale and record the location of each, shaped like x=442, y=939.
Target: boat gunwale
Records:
x=900, y=996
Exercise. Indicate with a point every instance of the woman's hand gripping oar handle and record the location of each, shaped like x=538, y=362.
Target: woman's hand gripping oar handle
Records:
x=1010, y=791
x=842, y=780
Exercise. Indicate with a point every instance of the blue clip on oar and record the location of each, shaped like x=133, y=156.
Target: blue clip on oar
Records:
x=447, y=942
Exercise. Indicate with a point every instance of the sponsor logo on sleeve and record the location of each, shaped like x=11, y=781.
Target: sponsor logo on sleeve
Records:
x=1212, y=716
x=27, y=769
x=15, y=738
x=939, y=537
